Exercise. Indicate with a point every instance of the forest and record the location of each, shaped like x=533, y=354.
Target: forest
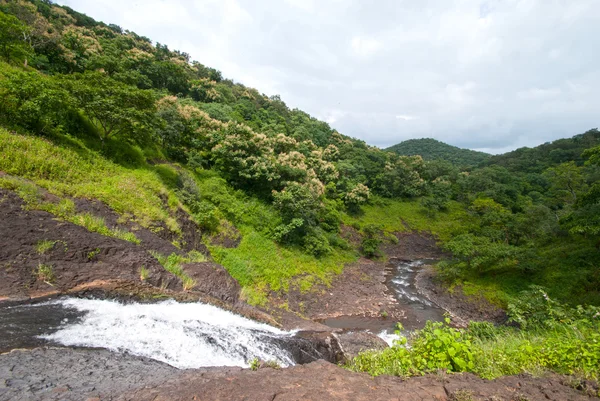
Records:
x=89, y=109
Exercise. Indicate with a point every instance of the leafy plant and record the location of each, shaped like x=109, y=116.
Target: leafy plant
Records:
x=92, y=254
x=44, y=246
x=45, y=273
x=144, y=273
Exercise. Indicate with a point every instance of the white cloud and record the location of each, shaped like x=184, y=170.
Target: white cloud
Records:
x=493, y=74
x=405, y=117
x=365, y=47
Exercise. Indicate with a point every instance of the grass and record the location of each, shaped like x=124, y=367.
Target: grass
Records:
x=260, y=265
x=77, y=171
x=570, y=348
x=405, y=215
x=45, y=273
x=144, y=273
x=63, y=209
x=44, y=246
x=173, y=264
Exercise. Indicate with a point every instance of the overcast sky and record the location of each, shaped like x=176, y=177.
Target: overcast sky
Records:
x=491, y=75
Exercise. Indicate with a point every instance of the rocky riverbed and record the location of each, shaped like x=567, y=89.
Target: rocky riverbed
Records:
x=88, y=265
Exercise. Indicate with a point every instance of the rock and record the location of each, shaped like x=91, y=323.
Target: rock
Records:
x=353, y=343
x=212, y=279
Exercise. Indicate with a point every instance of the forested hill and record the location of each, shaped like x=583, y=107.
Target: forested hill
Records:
x=539, y=158
x=431, y=149
x=91, y=109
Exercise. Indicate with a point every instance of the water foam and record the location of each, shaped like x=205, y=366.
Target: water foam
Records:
x=189, y=335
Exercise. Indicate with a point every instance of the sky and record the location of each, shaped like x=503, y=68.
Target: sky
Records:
x=490, y=75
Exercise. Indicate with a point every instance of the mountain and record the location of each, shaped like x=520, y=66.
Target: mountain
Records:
x=431, y=149
x=535, y=160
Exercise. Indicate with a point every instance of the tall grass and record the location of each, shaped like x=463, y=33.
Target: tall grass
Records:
x=173, y=264
x=80, y=172
x=63, y=209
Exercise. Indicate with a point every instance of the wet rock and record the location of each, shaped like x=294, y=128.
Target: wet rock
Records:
x=353, y=343
x=314, y=345
x=212, y=279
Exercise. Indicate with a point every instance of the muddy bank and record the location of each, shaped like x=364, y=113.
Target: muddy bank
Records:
x=99, y=374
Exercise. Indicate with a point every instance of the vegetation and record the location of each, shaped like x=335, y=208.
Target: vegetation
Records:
x=144, y=273
x=89, y=110
x=174, y=264
x=431, y=149
x=45, y=273
x=551, y=337
x=44, y=246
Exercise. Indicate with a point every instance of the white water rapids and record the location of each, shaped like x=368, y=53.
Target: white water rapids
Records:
x=184, y=335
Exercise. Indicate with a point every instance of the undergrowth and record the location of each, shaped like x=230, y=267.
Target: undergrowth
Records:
x=550, y=337
x=63, y=209
x=77, y=171
x=173, y=263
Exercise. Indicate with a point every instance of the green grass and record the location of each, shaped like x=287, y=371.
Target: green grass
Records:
x=144, y=273
x=63, y=209
x=80, y=172
x=44, y=246
x=261, y=265
x=173, y=263
x=45, y=273
x=405, y=215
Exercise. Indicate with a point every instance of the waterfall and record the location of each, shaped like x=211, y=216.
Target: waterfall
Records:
x=184, y=335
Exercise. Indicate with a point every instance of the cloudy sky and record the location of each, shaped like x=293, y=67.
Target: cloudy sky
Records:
x=491, y=75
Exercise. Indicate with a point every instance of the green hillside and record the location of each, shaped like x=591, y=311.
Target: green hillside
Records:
x=283, y=201
x=535, y=160
x=431, y=149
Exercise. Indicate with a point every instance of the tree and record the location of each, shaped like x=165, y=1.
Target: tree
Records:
x=566, y=181
x=13, y=34
x=34, y=101
x=113, y=107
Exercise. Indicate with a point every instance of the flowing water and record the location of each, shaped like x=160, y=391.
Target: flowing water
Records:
x=184, y=335
x=418, y=309
x=193, y=335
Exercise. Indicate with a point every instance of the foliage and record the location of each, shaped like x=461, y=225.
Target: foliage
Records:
x=436, y=347
x=174, y=262
x=144, y=273
x=77, y=171
x=555, y=338
x=45, y=273
x=13, y=47
x=431, y=149
x=44, y=246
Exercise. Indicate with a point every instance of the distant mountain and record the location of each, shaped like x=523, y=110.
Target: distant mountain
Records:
x=431, y=149
x=535, y=160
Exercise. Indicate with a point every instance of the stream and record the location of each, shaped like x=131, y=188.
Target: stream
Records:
x=184, y=335
x=193, y=335
x=401, y=277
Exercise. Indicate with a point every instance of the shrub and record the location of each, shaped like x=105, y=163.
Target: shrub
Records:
x=44, y=246
x=45, y=273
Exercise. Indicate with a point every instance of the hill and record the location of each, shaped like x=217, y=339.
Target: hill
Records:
x=431, y=149
x=113, y=148
x=535, y=160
